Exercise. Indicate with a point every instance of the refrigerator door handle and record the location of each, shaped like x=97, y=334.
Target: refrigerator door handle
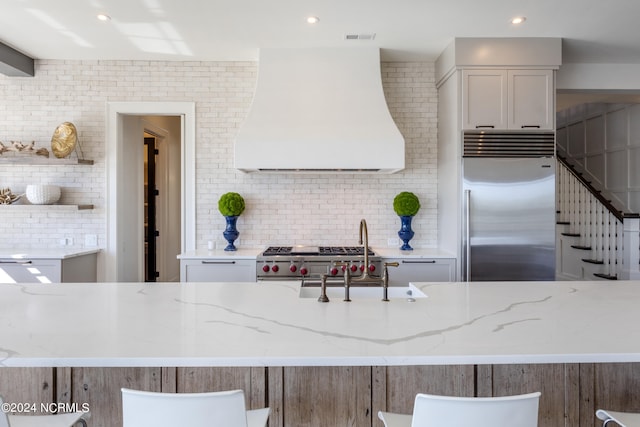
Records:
x=467, y=234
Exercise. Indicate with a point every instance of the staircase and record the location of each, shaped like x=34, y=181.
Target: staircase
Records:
x=594, y=241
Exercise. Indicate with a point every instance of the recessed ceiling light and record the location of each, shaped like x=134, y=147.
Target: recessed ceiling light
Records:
x=313, y=20
x=103, y=17
x=518, y=20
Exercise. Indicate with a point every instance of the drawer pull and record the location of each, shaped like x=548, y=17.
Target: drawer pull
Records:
x=218, y=262
x=431, y=261
x=16, y=262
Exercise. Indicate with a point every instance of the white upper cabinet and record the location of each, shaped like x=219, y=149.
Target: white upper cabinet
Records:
x=484, y=99
x=508, y=99
x=531, y=99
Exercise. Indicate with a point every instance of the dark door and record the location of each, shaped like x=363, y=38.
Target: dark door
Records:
x=150, y=194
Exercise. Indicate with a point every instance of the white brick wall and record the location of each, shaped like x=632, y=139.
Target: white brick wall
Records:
x=296, y=209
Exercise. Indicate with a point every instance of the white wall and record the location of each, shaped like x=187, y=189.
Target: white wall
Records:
x=305, y=209
x=603, y=142
x=600, y=77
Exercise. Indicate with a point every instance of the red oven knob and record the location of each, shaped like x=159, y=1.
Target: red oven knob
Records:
x=334, y=271
x=362, y=267
x=353, y=267
x=265, y=268
x=275, y=268
x=372, y=268
x=304, y=271
x=293, y=268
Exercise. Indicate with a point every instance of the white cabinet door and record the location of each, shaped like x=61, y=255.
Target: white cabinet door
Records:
x=421, y=270
x=484, y=99
x=25, y=271
x=508, y=99
x=531, y=99
x=217, y=270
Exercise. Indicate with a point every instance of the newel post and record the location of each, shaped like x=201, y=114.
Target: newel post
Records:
x=631, y=253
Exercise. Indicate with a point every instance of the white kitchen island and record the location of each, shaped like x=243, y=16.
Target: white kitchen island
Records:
x=563, y=338
x=267, y=324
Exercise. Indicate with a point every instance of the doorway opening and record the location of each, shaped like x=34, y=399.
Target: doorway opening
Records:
x=173, y=127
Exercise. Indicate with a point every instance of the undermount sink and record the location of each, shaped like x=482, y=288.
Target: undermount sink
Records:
x=364, y=292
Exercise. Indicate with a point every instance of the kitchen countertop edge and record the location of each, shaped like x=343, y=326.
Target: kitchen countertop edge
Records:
x=252, y=253
x=243, y=253
x=415, y=253
x=16, y=254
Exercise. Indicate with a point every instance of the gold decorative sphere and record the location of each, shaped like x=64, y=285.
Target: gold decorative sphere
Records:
x=64, y=140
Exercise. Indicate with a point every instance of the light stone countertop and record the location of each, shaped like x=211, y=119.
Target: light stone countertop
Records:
x=252, y=253
x=240, y=253
x=415, y=253
x=266, y=324
x=62, y=253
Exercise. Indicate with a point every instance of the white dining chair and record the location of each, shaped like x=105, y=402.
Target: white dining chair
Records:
x=211, y=409
x=50, y=420
x=432, y=410
x=623, y=419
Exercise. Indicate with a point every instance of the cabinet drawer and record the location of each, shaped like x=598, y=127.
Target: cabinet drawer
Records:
x=24, y=271
x=218, y=270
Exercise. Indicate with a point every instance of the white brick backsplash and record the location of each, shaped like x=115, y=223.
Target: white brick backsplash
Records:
x=281, y=209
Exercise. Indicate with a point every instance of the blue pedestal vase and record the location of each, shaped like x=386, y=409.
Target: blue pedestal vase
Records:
x=405, y=233
x=230, y=233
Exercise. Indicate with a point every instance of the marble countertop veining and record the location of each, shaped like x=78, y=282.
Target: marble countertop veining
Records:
x=266, y=324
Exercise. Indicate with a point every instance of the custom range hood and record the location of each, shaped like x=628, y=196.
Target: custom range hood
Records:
x=319, y=110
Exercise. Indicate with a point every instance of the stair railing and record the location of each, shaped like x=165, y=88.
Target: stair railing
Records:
x=611, y=237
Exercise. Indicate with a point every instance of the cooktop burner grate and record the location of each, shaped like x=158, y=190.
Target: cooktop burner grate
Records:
x=277, y=250
x=343, y=250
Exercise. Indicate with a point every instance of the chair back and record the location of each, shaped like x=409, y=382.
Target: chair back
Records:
x=622, y=419
x=512, y=411
x=213, y=409
x=4, y=418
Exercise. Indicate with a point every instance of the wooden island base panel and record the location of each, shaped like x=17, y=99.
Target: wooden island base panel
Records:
x=315, y=364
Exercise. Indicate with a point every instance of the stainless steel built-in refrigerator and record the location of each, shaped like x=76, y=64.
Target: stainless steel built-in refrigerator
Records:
x=508, y=207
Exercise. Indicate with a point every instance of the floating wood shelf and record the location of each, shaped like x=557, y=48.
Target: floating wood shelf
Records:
x=54, y=207
x=38, y=160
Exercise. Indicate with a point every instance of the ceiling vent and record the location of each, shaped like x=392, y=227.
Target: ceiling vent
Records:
x=370, y=36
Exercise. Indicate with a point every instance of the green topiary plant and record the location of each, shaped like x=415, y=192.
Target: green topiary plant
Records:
x=406, y=204
x=231, y=204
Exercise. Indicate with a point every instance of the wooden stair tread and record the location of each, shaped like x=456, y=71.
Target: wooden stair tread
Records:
x=571, y=234
x=592, y=261
x=583, y=248
x=605, y=276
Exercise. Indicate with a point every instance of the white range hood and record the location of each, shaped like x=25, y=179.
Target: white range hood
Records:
x=319, y=110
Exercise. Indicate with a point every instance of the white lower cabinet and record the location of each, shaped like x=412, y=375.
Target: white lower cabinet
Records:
x=77, y=269
x=421, y=270
x=218, y=270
